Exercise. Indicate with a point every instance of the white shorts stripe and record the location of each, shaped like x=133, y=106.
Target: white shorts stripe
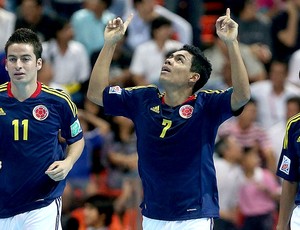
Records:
x=194, y=224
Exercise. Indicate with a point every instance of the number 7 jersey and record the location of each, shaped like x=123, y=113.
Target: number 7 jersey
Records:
x=29, y=144
x=175, y=148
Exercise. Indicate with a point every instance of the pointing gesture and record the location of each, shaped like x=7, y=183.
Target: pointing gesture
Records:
x=227, y=29
x=116, y=29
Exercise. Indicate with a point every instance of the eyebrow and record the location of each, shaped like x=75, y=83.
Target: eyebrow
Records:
x=24, y=55
x=178, y=55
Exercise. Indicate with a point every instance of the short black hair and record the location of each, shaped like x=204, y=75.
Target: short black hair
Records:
x=200, y=65
x=159, y=22
x=221, y=145
x=26, y=36
x=107, y=2
x=104, y=205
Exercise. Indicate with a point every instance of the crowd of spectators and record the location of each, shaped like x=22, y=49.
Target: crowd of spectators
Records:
x=248, y=146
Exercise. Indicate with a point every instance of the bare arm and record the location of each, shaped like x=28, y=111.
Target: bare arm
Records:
x=227, y=30
x=288, y=194
x=288, y=36
x=99, y=79
x=58, y=170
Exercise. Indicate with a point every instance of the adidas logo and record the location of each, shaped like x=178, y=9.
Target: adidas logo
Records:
x=155, y=109
x=2, y=112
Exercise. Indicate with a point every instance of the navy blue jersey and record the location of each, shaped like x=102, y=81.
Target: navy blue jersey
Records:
x=29, y=144
x=175, y=147
x=289, y=161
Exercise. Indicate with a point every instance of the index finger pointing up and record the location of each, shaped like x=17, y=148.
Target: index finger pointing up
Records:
x=126, y=23
x=228, y=12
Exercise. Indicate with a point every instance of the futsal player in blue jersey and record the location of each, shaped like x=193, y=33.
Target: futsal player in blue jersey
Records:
x=175, y=129
x=34, y=164
x=288, y=170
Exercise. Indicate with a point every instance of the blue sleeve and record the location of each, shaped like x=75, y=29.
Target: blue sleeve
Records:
x=288, y=164
x=71, y=128
x=126, y=102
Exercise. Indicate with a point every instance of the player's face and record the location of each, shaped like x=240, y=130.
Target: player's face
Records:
x=176, y=69
x=21, y=63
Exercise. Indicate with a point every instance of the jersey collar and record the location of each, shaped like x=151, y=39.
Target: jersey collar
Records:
x=34, y=95
x=190, y=98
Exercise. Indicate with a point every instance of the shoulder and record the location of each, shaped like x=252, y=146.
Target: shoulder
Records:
x=141, y=89
x=59, y=97
x=293, y=122
x=208, y=92
x=3, y=87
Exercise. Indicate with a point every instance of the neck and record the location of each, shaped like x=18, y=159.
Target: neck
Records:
x=23, y=91
x=174, y=98
x=63, y=46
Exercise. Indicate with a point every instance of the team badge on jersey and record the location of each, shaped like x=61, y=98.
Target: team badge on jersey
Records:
x=40, y=112
x=186, y=111
x=115, y=90
x=285, y=165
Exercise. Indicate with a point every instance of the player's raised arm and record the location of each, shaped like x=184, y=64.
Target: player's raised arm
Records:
x=99, y=79
x=227, y=30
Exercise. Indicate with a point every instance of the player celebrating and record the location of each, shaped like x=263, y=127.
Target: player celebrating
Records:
x=34, y=164
x=175, y=130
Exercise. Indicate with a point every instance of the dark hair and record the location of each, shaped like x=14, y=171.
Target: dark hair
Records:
x=135, y=2
x=221, y=145
x=60, y=23
x=38, y=2
x=200, y=65
x=159, y=22
x=107, y=2
x=104, y=205
x=26, y=36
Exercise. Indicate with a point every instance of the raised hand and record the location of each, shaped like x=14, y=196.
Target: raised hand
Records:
x=227, y=29
x=116, y=29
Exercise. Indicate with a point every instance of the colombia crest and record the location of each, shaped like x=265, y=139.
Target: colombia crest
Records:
x=186, y=111
x=40, y=112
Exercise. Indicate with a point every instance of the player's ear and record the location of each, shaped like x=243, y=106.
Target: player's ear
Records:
x=194, y=77
x=39, y=63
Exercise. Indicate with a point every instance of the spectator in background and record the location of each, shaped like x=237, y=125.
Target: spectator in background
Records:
x=149, y=57
x=218, y=55
x=191, y=10
x=285, y=28
x=4, y=77
x=258, y=194
x=119, y=69
x=7, y=24
x=98, y=212
x=249, y=134
x=89, y=23
x=69, y=60
x=293, y=68
x=271, y=95
x=254, y=28
x=79, y=178
x=144, y=12
x=228, y=170
x=32, y=15
x=65, y=8
x=277, y=131
x=269, y=8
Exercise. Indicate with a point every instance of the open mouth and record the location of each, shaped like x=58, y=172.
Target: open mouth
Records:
x=165, y=69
